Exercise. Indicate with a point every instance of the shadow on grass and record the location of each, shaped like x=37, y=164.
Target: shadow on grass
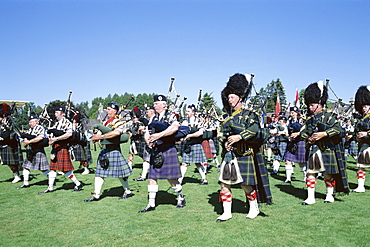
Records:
x=238, y=206
x=353, y=186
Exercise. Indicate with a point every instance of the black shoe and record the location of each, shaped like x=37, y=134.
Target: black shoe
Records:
x=46, y=191
x=181, y=204
x=139, y=179
x=219, y=220
x=92, y=199
x=78, y=188
x=23, y=186
x=287, y=182
x=203, y=183
x=125, y=196
x=147, y=209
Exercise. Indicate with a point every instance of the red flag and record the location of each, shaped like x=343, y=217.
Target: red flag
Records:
x=297, y=103
x=277, y=106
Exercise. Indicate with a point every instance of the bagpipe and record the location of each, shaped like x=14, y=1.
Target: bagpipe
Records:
x=76, y=138
x=122, y=138
x=44, y=142
x=9, y=131
x=157, y=126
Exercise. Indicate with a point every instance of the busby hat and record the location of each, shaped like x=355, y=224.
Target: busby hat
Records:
x=113, y=105
x=159, y=97
x=31, y=117
x=238, y=84
x=149, y=108
x=316, y=93
x=362, y=97
x=284, y=118
x=294, y=108
x=60, y=108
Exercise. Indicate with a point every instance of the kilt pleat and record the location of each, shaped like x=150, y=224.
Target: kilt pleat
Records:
x=207, y=149
x=39, y=162
x=196, y=155
x=63, y=163
x=118, y=166
x=11, y=156
x=170, y=168
x=329, y=160
x=282, y=149
x=247, y=170
x=299, y=156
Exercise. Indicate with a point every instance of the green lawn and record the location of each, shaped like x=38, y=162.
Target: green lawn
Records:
x=62, y=218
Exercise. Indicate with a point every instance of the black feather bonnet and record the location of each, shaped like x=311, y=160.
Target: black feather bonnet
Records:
x=238, y=84
x=362, y=97
x=316, y=93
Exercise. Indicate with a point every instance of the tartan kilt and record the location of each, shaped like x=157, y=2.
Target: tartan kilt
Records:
x=39, y=162
x=247, y=170
x=78, y=153
x=217, y=145
x=213, y=147
x=137, y=147
x=299, y=156
x=63, y=163
x=117, y=168
x=170, y=168
x=11, y=156
x=282, y=149
x=353, y=148
x=207, y=149
x=329, y=160
x=146, y=154
x=196, y=155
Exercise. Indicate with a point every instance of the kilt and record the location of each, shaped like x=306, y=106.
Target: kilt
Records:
x=217, y=145
x=146, y=154
x=137, y=147
x=207, y=149
x=299, y=156
x=196, y=155
x=63, y=163
x=329, y=160
x=78, y=152
x=282, y=149
x=362, y=147
x=213, y=147
x=11, y=156
x=39, y=162
x=170, y=168
x=247, y=170
x=118, y=166
x=352, y=149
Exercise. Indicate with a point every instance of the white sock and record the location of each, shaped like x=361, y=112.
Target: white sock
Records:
x=26, y=176
x=125, y=185
x=146, y=167
x=98, y=184
x=183, y=170
x=202, y=174
x=72, y=177
x=52, y=176
x=152, y=190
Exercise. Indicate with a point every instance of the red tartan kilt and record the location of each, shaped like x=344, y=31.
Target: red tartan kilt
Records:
x=63, y=163
x=207, y=149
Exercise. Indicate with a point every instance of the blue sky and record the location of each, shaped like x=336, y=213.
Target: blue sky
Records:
x=96, y=48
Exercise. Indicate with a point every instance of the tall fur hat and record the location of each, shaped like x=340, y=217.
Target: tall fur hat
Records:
x=4, y=110
x=362, y=97
x=316, y=93
x=238, y=84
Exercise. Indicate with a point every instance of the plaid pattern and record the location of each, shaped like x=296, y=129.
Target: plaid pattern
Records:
x=63, y=163
x=299, y=156
x=352, y=149
x=247, y=170
x=170, y=168
x=139, y=146
x=207, y=149
x=212, y=146
x=39, y=162
x=82, y=153
x=118, y=166
x=217, y=144
x=11, y=156
x=195, y=156
x=282, y=150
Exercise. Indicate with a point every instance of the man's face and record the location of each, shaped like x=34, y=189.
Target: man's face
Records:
x=33, y=122
x=315, y=108
x=189, y=113
x=366, y=109
x=111, y=112
x=159, y=106
x=150, y=113
x=59, y=115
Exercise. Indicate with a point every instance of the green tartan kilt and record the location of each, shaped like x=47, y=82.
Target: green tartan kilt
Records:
x=247, y=170
x=11, y=156
x=329, y=160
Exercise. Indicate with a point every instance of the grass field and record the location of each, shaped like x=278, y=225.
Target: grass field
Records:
x=62, y=218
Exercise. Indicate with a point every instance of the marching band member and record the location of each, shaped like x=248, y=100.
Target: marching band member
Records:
x=10, y=150
x=192, y=151
x=322, y=132
x=111, y=163
x=60, y=157
x=239, y=131
x=362, y=104
x=150, y=113
x=281, y=139
x=36, y=139
x=350, y=144
x=296, y=148
x=164, y=162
